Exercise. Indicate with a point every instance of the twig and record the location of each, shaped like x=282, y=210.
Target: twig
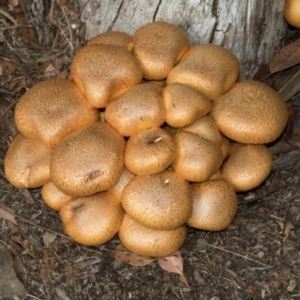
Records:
x=14, y=27
x=8, y=16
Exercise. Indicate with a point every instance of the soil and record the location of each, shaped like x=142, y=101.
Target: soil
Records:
x=257, y=257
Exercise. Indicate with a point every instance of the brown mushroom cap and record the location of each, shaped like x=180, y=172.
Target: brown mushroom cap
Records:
x=54, y=197
x=92, y=220
x=184, y=105
x=52, y=109
x=292, y=12
x=158, y=46
x=197, y=158
x=208, y=68
x=116, y=38
x=144, y=241
x=160, y=201
x=139, y=109
x=88, y=160
x=27, y=163
x=247, y=166
x=150, y=151
x=214, y=205
x=103, y=72
x=250, y=113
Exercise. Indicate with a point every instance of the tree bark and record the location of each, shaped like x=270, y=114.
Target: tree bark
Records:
x=252, y=29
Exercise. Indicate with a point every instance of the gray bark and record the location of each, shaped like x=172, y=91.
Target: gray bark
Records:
x=252, y=29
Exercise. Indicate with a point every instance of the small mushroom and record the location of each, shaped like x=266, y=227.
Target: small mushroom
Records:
x=92, y=220
x=184, y=105
x=158, y=46
x=214, y=205
x=88, y=161
x=144, y=241
x=247, y=166
x=51, y=110
x=250, y=113
x=208, y=68
x=27, y=163
x=103, y=72
x=150, y=151
x=160, y=201
x=292, y=12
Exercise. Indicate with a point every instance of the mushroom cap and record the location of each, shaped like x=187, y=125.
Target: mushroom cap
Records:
x=208, y=68
x=207, y=128
x=158, y=46
x=145, y=241
x=103, y=72
x=150, y=151
x=197, y=158
x=214, y=205
x=160, y=201
x=116, y=38
x=247, y=166
x=51, y=110
x=88, y=160
x=250, y=113
x=225, y=146
x=291, y=12
x=92, y=220
x=139, y=109
x=54, y=197
x=184, y=105
x=27, y=163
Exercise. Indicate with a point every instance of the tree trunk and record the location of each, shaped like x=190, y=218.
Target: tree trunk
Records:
x=252, y=29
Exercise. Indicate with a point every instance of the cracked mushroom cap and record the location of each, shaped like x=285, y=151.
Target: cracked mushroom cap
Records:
x=247, y=166
x=139, y=109
x=51, y=110
x=209, y=68
x=27, y=163
x=144, y=241
x=103, y=72
x=92, y=220
x=184, y=105
x=150, y=151
x=250, y=113
x=158, y=46
x=214, y=205
x=88, y=160
x=160, y=201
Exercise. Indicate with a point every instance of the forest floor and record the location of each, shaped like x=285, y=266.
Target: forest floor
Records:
x=257, y=257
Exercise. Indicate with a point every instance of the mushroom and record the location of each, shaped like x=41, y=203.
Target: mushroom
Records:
x=27, y=163
x=292, y=12
x=158, y=46
x=247, y=166
x=214, y=205
x=184, y=105
x=144, y=241
x=139, y=109
x=250, y=113
x=197, y=158
x=92, y=220
x=116, y=38
x=160, y=201
x=88, y=161
x=150, y=151
x=51, y=110
x=103, y=72
x=208, y=68
x=54, y=197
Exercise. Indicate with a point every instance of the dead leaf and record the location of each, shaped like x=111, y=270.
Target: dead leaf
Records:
x=285, y=227
x=13, y=2
x=126, y=256
x=7, y=214
x=173, y=263
x=49, y=238
x=198, y=278
x=251, y=290
x=287, y=57
x=55, y=65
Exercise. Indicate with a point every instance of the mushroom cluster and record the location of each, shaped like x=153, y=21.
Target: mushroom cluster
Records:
x=180, y=136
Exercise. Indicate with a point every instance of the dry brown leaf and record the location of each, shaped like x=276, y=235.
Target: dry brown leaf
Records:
x=49, y=238
x=126, y=256
x=286, y=227
x=55, y=64
x=7, y=214
x=13, y=2
x=173, y=263
x=287, y=57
